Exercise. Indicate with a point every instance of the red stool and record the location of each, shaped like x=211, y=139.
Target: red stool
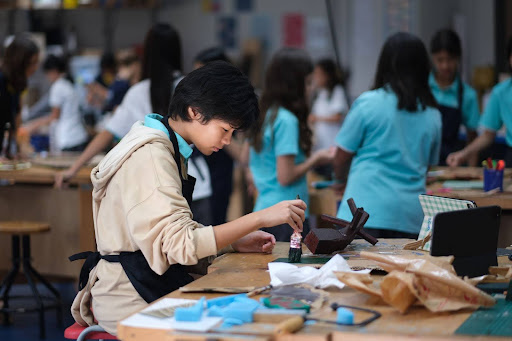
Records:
x=81, y=333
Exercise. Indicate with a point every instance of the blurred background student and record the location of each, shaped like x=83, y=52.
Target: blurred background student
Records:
x=281, y=142
x=328, y=109
x=20, y=61
x=128, y=74
x=498, y=112
x=457, y=101
x=388, y=140
x=67, y=133
x=161, y=71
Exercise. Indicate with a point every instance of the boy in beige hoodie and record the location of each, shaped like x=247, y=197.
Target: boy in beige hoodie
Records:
x=145, y=233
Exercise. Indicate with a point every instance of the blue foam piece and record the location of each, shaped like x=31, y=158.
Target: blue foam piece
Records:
x=229, y=322
x=222, y=301
x=240, y=310
x=215, y=311
x=249, y=302
x=344, y=316
x=190, y=314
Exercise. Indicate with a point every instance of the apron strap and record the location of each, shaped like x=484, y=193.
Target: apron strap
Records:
x=175, y=144
x=91, y=260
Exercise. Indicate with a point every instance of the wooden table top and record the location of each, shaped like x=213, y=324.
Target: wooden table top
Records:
x=503, y=199
x=251, y=271
x=43, y=170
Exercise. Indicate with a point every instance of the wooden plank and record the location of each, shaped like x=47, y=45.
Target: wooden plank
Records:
x=351, y=336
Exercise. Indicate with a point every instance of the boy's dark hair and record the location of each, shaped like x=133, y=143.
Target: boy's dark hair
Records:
x=54, y=63
x=446, y=40
x=217, y=90
x=404, y=66
x=334, y=75
x=285, y=86
x=17, y=58
x=161, y=60
x=210, y=55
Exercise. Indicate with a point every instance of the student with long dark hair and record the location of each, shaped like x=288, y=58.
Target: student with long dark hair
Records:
x=161, y=71
x=281, y=141
x=388, y=140
x=68, y=132
x=457, y=101
x=19, y=63
x=498, y=112
x=144, y=230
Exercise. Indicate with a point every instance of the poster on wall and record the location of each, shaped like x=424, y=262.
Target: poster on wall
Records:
x=293, y=30
x=261, y=28
x=317, y=33
x=211, y=6
x=243, y=5
x=226, y=32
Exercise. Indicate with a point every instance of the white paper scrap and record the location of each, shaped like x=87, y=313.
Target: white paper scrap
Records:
x=287, y=274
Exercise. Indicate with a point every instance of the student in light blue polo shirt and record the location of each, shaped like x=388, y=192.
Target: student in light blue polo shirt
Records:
x=388, y=140
x=457, y=101
x=497, y=113
x=282, y=139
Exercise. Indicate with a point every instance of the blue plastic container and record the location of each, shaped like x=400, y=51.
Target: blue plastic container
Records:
x=493, y=179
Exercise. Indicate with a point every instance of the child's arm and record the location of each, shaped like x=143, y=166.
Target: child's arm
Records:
x=481, y=142
x=32, y=126
x=97, y=144
x=342, y=161
x=289, y=172
x=286, y=212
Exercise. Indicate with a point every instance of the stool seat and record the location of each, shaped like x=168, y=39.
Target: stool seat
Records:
x=23, y=227
x=76, y=332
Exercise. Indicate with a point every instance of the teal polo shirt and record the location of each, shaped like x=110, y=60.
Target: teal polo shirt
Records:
x=280, y=138
x=498, y=111
x=449, y=97
x=154, y=121
x=392, y=152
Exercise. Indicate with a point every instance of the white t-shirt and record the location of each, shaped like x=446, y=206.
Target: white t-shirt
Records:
x=69, y=130
x=324, y=106
x=135, y=105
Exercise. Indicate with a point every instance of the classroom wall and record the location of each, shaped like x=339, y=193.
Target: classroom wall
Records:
x=361, y=28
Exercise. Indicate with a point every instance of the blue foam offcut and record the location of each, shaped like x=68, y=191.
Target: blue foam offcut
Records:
x=190, y=314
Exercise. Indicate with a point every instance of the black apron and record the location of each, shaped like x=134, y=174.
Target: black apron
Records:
x=452, y=119
x=148, y=284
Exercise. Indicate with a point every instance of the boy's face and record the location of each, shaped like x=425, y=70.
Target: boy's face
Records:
x=209, y=137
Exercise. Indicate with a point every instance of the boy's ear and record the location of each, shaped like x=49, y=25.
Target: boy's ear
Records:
x=193, y=114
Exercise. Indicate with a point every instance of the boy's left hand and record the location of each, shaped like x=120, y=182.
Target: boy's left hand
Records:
x=257, y=241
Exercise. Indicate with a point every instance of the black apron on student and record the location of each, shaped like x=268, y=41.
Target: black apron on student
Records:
x=148, y=284
x=452, y=119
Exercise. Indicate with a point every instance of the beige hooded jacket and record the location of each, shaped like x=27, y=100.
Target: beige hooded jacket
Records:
x=138, y=205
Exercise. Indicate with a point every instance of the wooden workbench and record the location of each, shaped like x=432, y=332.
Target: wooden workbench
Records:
x=248, y=270
x=29, y=194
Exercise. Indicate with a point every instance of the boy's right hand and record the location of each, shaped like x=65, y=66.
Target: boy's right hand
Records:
x=290, y=212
